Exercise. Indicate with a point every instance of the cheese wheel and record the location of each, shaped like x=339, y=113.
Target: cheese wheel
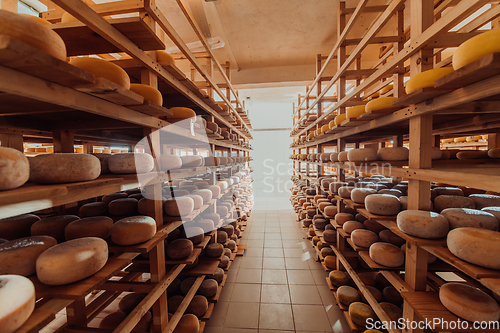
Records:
x=72, y=261
x=464, y=217
x=442, y=202
x=469, y=302
x=180, y=206
x=493, y=210
x=17, y=226
x=485, y=200
x=113, y=196
x=125, y=163
x=341, y=218
x=130, y=301
x=214, y=250
x=324, y=128
x=393, y=312
x=362, y=155
x=53, y=226
x=208, y=288
x=215, y=190
x=330, y=236
x=331, y=262
x=103, y=68
x=192, y=161
x=149, y=93
x=214, y=217
x=123, y=207
x=14, y=168
x=363, y=238
x=382, y=204
x=19, y=256
x=375, y=293
x=355, y=111
x=472, y=155
x=390, y=237
x=448, y=191
x=170, y=162
x=393, y=153
x=164, y=59
x=188, y=323
x=179, y=249
x=221, y=236
x=217, y=276
x=63, y=168
x=392, y=295
x=96, y=226
x=133, y=230
x=224, y=261
x=345, y=191
x=180, y=113
x=494, y=153
x=391, y=191
x=386, y=254
x=330, y=210
x=342, y=156
x=206, y=194
x=350, y=226
x=197, y=200
x=347, y=295
x=18, y=300
x=423, y=224
x=103, y=159
x=339, y=278
x=426, y=79
x=33, y=33
x=198, y=306
x=477, y=246
x=358, y=194
x=381, y=103
x=476, y=47
x=340, y=118
x=360, y=313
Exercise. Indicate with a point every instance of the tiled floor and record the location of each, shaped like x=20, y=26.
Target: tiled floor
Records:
x=276, y=286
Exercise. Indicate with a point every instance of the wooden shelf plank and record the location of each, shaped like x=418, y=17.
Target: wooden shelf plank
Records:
x=152, y=109
x=341, y=306
x=355, y=247
x=371, y=216
x=209, y=312
x=43, y=315
x=374, y=114
x=206, y=266
x=373, y=265
x=420, y=95
x=111, y=92
x=188, y=261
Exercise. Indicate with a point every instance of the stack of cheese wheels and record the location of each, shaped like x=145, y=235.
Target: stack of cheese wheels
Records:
x=18, y=301
x=386, y=254
x=393, y=153
x=17, y=226
x=63, y=168
x=426, y=79
x=19, y=256
x=382, y=204
x=14, y=168
x=468, y=302
x=72, y=261
x=104, y=69
x=180, y=114
x=464, y=217
x=477, y=246
x=133, y=230
x=423, y=224
x=125, y=163
x=476, y=47
x=149, y=93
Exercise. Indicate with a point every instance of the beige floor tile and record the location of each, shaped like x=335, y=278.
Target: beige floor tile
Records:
x=273, y=263
x=231, y=274
x=242, y=315
x=237, y=330
x=276, y=316
x=254, y=252
x=275, y=293
x=219, y=314
x=275, y=331
x=296, y=263
x=243, y=292
x=247, y=275
x=254, y=235
x=274, y=276
x=272, y=235
x=272, y=230
x=273, y=252
x=227, y=290
x=290, y=235
x=311, y=318
x=249, y=262
x=319, y=276
x=274, y=243
x=337, y=319
x=254, y=242
x=212, y=329
x=300, y=276
x=293, y=253
x=303, y=294
x=292, y=243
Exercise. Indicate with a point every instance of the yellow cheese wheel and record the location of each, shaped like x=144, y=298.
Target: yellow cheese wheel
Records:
x=426, y=79
x=476, y=47
x=133, y=230
x=104, y=69
x=355, y=111
x=339, y=278
x=381, y=104
x=33, y=33
x=67, y=18
x=19, y=256
x=360, y=313
x=386, y=89
x=340, y=118
x=180, y=113
x=14, y=168
x=325, y=128
x=447, y=140
x=164, y=58
x=149, y=93
x=18, y=301
x=331, y=124
x=348, y=295
x=461, y=139
x=331, y=262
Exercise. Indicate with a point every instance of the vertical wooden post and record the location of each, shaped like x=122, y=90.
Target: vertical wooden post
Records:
x=318, y=85
x=228, y=74
x=210, y=69
x=12, y=141
x=398, y=79
x=64, y=142
x=341, y=56
x=493, y=141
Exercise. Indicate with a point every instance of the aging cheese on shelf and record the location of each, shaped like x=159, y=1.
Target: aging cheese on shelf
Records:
x=208, y=288
x=393, y=312
x=476, y=47
x=382, y=204
x=426, y=79
x=103, y=159
x=492, y=210
x=188, y=323
x=72, y=261
x=423, y=224
x=339, y=278
x=18, y=301
x=215, y=190
x=133, y=230
x=345, y=191
x=494, y=153
x=130, y=301
x=485, y=200
x=341, y=218
x=125, y=163
x=123, y=207
x=351, y=226
x=14, y=168
x=149, y=93
x=330, y=236
x=19, y=256
x=360, y=313
x=392, y=295
x=180, y=113
x=113, y=196
x=180, y=206
x=391, y=191
x=442, y=202
x=331, y=262
x=355, y=111
x=393, y=153
x=362, y=155
x=347, y=295
x=340, y=118
x=112, y=320
x=472, y=155
x=17, y=226
x=63, y=168
x=198, y=306
x=468, y=302
x=477, y=246
x=103, y=68
x=330, y=210
x=381, y=103
x=386, y=254
x=358, y=194
x=206, y=194
x=179, y=249
x=170, y=162
x=192, y=161
x=95, y=226
x=474, y=218
x=388, y=236
x=197, y=200
x=53, y=226
x=363, y=238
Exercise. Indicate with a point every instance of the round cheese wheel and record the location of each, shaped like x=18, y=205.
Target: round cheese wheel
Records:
x=133, y=230
x=485, y=200
x=195, y=234
x=339, y=278
x=123, y=207
x=345, y=191
x=17, y=226
x=442, y=202
x=188, y=324
x=224, y=261
x=464, y=217
x=494, y=153
x=206, y=194
x=391, y=191
x=392, y=295
x=436, y=153
x=208, y=288
x=468, y=302
x=334, y=186
x=347, y=295
x=330, y=210
x=393, y=312
x=214, y=250
x=170, y=162
x=64, y=168
x=33, y=33
x=53, y=226
x=197, y=200
x=19, y=256
x=180, y=206
x=221, y=236
x=423, y=224
x=103, y=68
x=14, y=168
x=390, y=237
x=492, y=210
x=215, y=190
x=330, y=236
x=393, y=153
x=363, y=238
x=217, y=276
x=103, y=159
x=198, y=306
x=362, y=155
x=192, y=161
x=130, y=301
x=95, y=226
x=341, y=218
x=381, y=103
x=164, y=59
x=386, y=254
x=72, y=261
x=339, y=119
x=327, y=251
x=149, y=93
x=334, y=157
x=360, y=313
x=174, y=302
x=426, y=79
x=323, y=205
x=179, y=114
x=358, y=194
x=112, y=320
x=179, y=249
x=355, y=111
x=472, y=155
x=382, y=204
x=18, y=300
x=214, y=217
x=331, y=262
x=222, y=211
x=475, y=245
x=375, y=293
x=476, y=47
x=350, y=226
x=125, y=163
x=113, y=196
x=206, y=224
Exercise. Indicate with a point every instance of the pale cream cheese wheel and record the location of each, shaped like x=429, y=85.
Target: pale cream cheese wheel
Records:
x=382, y=204
x=19, y=256
x=423, y=224
x=393, y=154
x=363, y=238
x=64, y=168
x=18, y=301
x=477, y=246
x=180, y=206
x=170, y=162
x=126, y=163
x=14, y=168
x=133, y=230
x=474, y=218
x=192, y=161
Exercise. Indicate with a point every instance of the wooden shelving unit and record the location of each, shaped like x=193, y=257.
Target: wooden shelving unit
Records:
x=459, y=104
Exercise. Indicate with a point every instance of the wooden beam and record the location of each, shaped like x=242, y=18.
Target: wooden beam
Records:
x=12, y=141
x=64, y=142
